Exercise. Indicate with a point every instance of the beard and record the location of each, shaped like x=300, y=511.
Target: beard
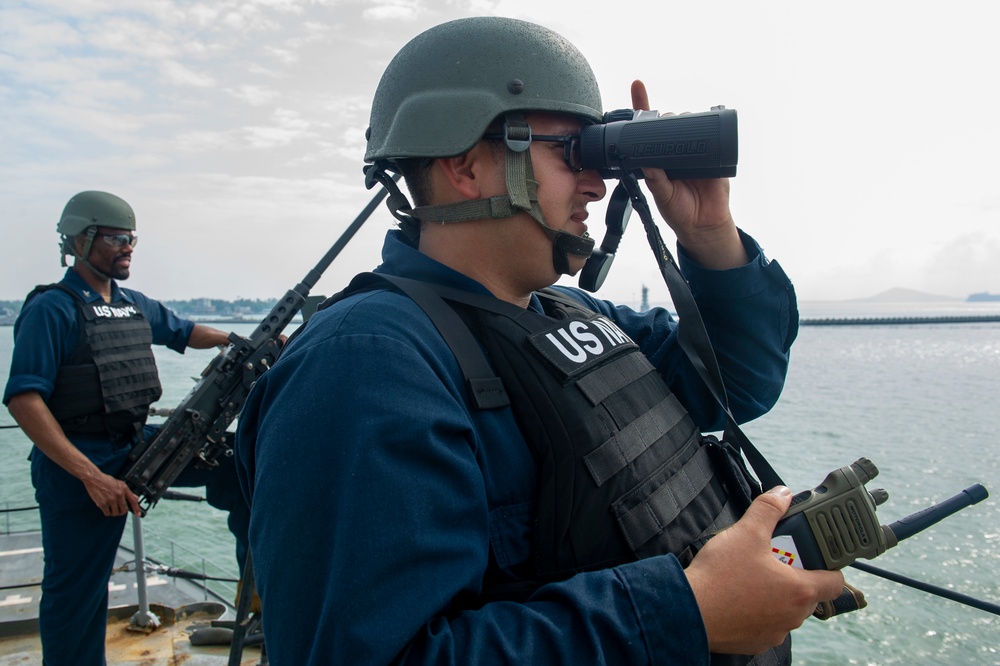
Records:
x=119, y=271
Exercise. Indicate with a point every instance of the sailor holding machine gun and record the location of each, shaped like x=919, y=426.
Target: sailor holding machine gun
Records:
x=82, y=378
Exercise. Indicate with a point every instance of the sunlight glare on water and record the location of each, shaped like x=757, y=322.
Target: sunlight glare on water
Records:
x=919, y=401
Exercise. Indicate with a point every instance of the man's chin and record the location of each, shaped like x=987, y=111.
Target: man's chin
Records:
x=576, y=264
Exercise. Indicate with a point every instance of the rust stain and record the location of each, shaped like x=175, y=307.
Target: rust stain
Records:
x=144, y=649
x=166, y=646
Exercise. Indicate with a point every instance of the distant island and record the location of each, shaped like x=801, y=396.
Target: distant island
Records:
x=200, y=309
x=902, y=295
x=243, y=309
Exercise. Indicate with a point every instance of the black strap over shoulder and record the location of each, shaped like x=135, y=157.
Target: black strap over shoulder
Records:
x=693, y=337
x=42, y=288
x=485, y=389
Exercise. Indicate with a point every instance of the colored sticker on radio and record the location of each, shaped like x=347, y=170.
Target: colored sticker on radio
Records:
x=783, y=547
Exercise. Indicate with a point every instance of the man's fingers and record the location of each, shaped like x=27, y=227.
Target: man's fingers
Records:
x=640, y=99
x=128, y=501
x=133, y=503
x=831, y=584
x=769, y=507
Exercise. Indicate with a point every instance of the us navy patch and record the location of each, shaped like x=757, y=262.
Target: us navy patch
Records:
x=575, y=345
x=112, y=312
x=121, y=309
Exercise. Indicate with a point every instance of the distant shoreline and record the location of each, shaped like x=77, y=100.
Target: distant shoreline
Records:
x=895, y=321
x=198, y=320
x=805, y=321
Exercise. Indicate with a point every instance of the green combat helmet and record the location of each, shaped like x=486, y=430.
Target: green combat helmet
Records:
x=85, y=212
x=445, y=87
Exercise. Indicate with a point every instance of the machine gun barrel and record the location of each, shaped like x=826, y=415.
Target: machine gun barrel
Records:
x=196, y=428
x=294, y=298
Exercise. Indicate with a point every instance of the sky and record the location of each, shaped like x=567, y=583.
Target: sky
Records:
x=868, y=138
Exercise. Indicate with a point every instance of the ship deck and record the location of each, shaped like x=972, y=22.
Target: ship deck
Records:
x=181, y=606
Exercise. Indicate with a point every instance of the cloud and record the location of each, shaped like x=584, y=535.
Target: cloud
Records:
x=287, y=127
x=205, y=141
x=862, y=167
x=289, y=6
x=136, y=38
x=30, y=34
x=392, y=10
x=964, y=264
x=283, y=56
x=253, y=95
x=986, y=205
x=177, y=73
x=247, y=18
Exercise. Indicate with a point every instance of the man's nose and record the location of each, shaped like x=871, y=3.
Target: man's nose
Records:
x=589, y=181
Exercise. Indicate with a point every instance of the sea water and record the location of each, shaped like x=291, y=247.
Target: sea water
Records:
x=920, y=401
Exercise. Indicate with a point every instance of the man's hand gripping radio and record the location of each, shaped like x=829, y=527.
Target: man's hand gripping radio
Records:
x=834, y=524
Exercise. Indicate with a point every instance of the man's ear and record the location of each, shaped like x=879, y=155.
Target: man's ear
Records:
x=471, y=175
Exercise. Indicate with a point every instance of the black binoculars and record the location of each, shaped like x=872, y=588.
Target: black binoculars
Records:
x=692, y=145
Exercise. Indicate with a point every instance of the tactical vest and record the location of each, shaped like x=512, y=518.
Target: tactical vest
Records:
x=110, y=378
x=624, y=472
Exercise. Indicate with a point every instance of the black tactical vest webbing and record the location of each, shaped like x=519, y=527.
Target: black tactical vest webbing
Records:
x=606, y=432
x=624, y=472
x=110, y=379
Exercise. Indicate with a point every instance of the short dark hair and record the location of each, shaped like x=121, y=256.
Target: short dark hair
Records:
x=417, y=173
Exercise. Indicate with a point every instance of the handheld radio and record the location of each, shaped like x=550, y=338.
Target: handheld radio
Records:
x=834, y=524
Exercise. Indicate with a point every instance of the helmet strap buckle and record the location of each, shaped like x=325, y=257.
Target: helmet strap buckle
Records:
x=396, y=201
x=516, y=132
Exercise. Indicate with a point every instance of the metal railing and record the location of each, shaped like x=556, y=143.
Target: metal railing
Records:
x=161, y=555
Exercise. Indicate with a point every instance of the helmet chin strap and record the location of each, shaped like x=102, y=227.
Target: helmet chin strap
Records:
x=80, y=258
x=521, y=197
x=565, y=244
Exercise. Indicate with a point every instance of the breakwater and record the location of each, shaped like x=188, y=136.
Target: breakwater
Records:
x=897, y=321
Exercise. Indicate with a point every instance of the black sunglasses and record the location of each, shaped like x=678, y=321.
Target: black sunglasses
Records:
x=571, y=143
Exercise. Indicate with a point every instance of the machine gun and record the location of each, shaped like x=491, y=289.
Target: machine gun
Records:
x=196, y=428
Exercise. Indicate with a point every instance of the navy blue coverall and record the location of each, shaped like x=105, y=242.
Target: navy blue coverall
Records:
x=79, y=542
x=381, y=501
